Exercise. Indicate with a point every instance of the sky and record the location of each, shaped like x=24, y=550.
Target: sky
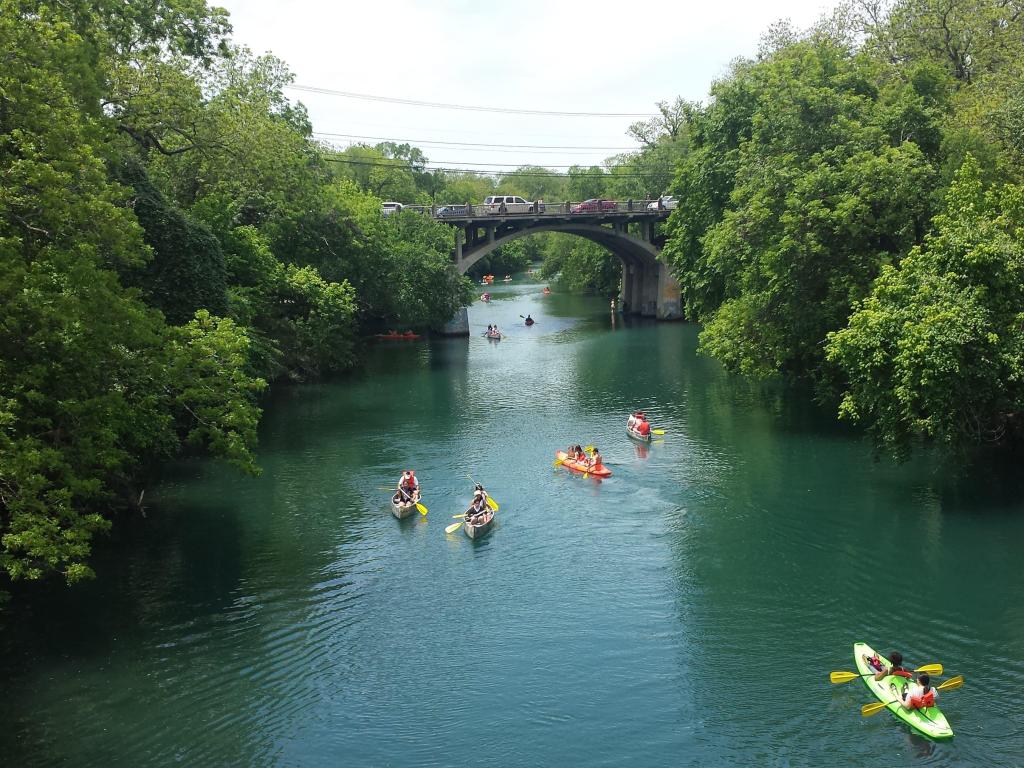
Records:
x=595, y=57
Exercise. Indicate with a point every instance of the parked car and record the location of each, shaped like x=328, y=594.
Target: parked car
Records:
x=502, y=204
x=451, y=210
x=388, y=208
x=593, y=205
x=668, y=202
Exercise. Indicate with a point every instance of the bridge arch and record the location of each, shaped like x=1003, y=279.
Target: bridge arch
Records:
x=648, y=287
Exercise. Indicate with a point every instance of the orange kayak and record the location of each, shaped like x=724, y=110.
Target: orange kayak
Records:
x=582, y=466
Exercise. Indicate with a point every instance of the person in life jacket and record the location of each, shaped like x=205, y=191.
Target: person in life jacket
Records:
x=643, y=426
x=921, y=695
x=895, y=666
x=595, y=459
x=409, y=486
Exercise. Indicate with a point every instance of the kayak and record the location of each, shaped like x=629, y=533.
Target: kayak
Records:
x=547, y=291
x=485, y=297
x=495, y=336
x=929, y=722
x=530, y=322
x=582, y=466
x=637, y=436
x=409, y=335
x=479, y=531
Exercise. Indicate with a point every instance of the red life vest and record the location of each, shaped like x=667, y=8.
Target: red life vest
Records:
x=644, y=428
x=409, y=483
x=901, y=672
x=922, y=701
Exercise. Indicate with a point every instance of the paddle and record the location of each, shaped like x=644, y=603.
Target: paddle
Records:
x=870, y=709
x=657, y=431
x=422, y=508
x=453, y=528
x=845, y=677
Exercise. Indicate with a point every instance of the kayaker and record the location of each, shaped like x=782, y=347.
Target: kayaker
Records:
x=488, y=329
x=578, y=454
x=918, y=695
x=895, y=666
x=409, y=486
x=643, y=427
x=529, y=320
x=595, y=460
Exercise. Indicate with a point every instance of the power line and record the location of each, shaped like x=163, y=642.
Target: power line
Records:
x=506, y=172
x=469, y=143
x=464, y=107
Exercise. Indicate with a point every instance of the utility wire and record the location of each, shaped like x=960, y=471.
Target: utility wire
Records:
x=470, y=143
x=464, y=107
x=396, y=165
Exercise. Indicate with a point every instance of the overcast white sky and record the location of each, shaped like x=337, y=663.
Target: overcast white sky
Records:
x=581, y=56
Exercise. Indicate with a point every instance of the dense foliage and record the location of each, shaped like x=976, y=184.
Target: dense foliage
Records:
x=821, y=231
x=171, y=238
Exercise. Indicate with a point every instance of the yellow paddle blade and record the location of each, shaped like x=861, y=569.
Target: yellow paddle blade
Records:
x=558, y=462
x=588, y=448
x=658, y=431
x=842, y=677
x=930, y=669
x=586, y=475
x=459, y=517
x=951, y=684
x=873, y=709
x=422, y=508
x=492, y=504
x=453, y=528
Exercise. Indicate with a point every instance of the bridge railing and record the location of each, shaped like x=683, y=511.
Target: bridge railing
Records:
x=539, y=209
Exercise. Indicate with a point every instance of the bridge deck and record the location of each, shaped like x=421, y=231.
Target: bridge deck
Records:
x=608, y=210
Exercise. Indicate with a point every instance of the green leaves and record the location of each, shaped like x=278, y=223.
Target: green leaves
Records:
x=934, y=353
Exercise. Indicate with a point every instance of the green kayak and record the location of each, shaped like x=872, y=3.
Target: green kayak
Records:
x=929, y=722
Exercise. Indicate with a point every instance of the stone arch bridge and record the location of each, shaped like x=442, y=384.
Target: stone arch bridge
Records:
x=627, y=229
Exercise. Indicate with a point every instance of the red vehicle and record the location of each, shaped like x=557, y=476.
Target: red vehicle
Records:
x=593, y=205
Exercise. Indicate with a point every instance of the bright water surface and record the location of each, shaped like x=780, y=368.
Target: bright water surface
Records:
x=685, y=612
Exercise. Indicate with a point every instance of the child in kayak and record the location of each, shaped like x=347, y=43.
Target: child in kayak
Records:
x=895, y=666
x=919, y=695
x=595, y=460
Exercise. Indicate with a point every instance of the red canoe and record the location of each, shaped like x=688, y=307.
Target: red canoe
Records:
x=582, y=466
x=398, y=335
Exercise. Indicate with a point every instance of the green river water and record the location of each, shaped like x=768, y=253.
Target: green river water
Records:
x=685, y=612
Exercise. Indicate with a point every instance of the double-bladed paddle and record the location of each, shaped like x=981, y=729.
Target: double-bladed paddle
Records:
x=845, y=677
x=870, y=709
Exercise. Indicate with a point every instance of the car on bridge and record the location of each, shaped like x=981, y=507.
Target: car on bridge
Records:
x=593, y=205
x=452, y=210
x=663, y=203
x=502, y=204
x=389, y=208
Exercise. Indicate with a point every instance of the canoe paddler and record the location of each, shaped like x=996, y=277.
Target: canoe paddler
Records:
x=409, y=486
x=595, y=459
x=478, y=507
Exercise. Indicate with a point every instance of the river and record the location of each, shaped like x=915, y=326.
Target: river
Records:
x=686, y=611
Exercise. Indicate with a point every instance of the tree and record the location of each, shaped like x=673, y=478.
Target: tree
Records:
x=935, y=353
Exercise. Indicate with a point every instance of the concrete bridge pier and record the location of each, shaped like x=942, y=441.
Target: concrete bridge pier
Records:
x=457, y=326
x=650, y=290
